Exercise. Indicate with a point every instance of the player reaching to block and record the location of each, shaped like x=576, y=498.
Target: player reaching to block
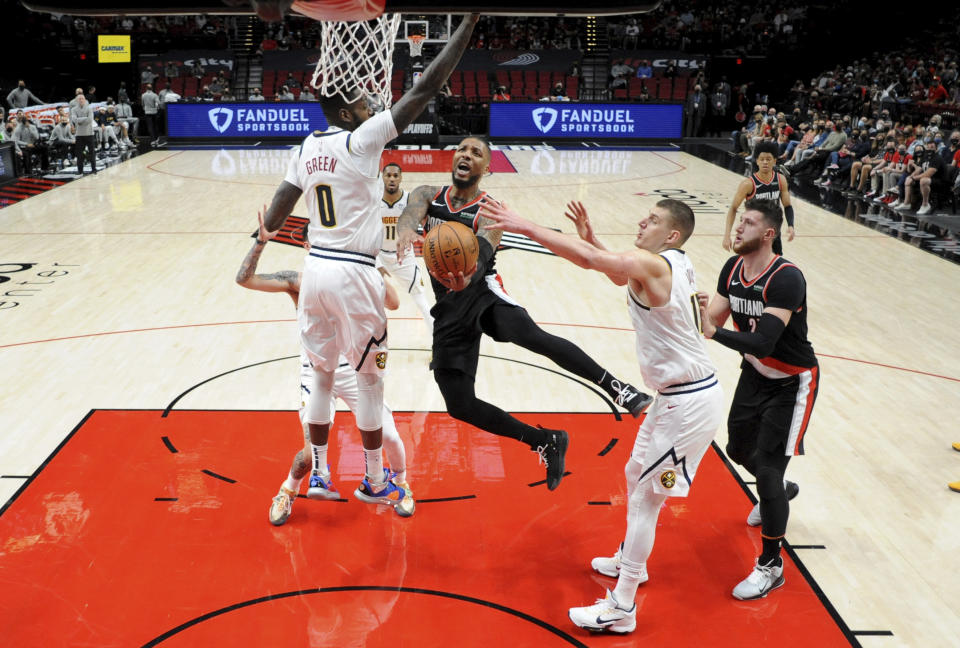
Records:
x=681, y=423
x=340, y=310
x=471, y=304
x=344, y=387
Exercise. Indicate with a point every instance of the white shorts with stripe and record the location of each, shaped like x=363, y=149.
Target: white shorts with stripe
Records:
x=407, y=273
x=676, y=433
x=340, y=311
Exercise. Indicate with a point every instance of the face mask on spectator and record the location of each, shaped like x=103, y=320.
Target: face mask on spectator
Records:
x=955, y=141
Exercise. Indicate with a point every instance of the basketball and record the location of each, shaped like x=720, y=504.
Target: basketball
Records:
x=450, y=247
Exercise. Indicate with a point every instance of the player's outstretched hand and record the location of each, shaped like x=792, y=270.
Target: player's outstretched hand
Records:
x=405, y=241
x=790, y=233
x=503, y=217
x=577, y=213
x=263, y=234
x=727, y=243
x=706, y=324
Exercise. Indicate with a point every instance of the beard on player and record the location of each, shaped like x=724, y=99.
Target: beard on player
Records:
x=465, y=183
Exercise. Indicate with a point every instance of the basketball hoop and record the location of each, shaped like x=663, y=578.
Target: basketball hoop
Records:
x=357, y=56
x=416, y=44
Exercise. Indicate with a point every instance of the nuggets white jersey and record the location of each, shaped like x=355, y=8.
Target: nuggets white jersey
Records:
x=389, y=214
x=670, y=347
x=339, y=174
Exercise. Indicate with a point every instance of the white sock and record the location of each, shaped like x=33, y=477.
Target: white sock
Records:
x=319, y=453
x=420, y=299
x=643, y=509
x=374, y=461
x=393, y=446
x=292, y=484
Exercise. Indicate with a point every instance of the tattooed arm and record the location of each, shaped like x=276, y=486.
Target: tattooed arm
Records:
x=415, y=213
x=287, y=281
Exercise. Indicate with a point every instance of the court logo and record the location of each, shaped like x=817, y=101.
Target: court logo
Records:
x=214, y=115
x=381, y=360
x=544, y=118
x=668, y=479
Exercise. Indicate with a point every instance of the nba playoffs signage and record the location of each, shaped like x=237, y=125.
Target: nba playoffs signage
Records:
x=251, y=120
x=585, y=120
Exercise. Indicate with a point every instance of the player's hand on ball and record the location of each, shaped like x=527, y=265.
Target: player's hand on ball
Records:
x=456, y=282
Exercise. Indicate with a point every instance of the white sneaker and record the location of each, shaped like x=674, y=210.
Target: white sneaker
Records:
x=754, y=519
x=281, y=506
x=611, y=566
x=896, y=204
x=925, y=209
x=605, y=615
x=761, y=581
x=608, y=566
x=902, y=207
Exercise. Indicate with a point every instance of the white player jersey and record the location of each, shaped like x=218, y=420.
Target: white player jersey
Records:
x=670, y=347
x=339, y=174
x=389, y=214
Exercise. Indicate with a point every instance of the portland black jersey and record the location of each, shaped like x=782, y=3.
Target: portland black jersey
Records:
x=780, y=285
x=765, y=190
x=441, y=209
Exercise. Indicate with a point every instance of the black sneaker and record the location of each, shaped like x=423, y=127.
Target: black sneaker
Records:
x=631, y=399
x=552, y=454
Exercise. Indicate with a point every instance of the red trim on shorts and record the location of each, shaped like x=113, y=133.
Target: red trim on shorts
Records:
x=811, y=395
x=779, y=365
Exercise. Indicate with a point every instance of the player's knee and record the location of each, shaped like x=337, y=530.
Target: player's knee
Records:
x=633, y=471
x=738, y=454
x=318, y=401
x=370, y=401
x=769, y=482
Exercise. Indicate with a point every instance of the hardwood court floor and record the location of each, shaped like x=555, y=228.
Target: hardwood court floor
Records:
x=130, y=303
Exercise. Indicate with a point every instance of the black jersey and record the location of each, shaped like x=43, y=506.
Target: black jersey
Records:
x=441, y=209
x=765, y=190
x=780, y=285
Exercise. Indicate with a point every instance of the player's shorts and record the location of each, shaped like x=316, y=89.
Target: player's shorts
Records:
x=772, y=413
x=456, y=324
x=407, y=273
x=340, y=311
x=676, y=433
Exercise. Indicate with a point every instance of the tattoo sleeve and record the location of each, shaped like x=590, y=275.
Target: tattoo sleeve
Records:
x=415, y=212
x=491, y=236
x=249, y=265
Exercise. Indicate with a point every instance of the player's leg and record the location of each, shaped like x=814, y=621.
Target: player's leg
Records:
x=457, y=388
x=784, y=416
x=412, y=279
x=506, y=322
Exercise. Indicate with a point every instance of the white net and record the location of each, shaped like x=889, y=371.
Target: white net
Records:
x=416, y=45
x=357, y=56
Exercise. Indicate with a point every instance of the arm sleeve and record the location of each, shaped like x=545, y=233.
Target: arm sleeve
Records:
x=759, y=343
x=724, y=279
x=788, y=215
x=293, y=177
x=367, y=141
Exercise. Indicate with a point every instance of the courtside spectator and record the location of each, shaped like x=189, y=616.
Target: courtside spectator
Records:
x=151, y=106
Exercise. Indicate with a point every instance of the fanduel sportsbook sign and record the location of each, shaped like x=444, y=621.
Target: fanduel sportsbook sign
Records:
x=586, y=120
x=244, y=119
